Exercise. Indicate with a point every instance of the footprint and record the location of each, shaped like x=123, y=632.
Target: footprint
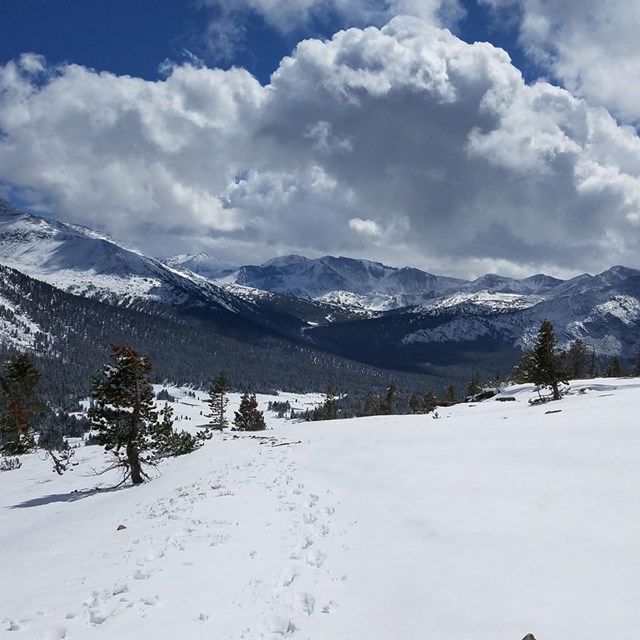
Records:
x=141, y=575
x=309, y=518
x=286, y=577
x=305, y=603
x=282, y=627
x=328, y=607
x=329, y=510
x=316, y=559
x=95, y=617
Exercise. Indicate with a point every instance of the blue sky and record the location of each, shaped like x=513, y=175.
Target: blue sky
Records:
x=135, y=37
x=257, y=128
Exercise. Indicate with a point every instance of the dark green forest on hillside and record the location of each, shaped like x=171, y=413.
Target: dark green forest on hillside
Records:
x=183, y=350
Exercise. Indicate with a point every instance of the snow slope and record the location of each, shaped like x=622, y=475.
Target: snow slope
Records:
x=17, y=330
x=201, y=263
x=496, y=520
x=84, y=262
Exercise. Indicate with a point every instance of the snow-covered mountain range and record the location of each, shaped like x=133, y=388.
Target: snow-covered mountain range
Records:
x=377, y=287
x=603, y=310
x=396, y=317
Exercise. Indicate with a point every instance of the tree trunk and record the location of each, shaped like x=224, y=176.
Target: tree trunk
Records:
x=556, y=391
x=133, y=455
x=134, y=464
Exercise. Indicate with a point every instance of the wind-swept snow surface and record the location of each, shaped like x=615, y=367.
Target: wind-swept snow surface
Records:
x=494, y=521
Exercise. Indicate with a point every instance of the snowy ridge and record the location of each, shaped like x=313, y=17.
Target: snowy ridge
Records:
x=374, y=286
x=278, y=536
x=485, y=299
x=360, y=303
x=84, y=262
x=624, y=308
x=201, y=263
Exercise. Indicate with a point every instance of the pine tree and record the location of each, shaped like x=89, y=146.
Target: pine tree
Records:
x=547, y=368
x=371, y=405
x=388, y=404
x=123, y=412
x=430, y=402
x=328, y=410
x=594, y=370
x=577, y=360
x=450, y=395
x=18, y=404
x=636, y=364
x=414, y=404
x=249, y=417
x=523, y=371
x=218, y=402
x=614, y=370
x=166, y=441
x=474, y=388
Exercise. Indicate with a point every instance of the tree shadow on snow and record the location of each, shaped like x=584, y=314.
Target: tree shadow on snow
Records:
x=72, y=496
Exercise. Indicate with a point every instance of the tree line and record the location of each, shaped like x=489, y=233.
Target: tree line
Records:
x=125, y=420
x=123, y=416
x=545, y=365
x=185, y=346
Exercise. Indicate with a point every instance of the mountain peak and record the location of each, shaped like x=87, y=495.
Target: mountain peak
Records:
x=285, y=261
x=621, y=271
x=203, y=264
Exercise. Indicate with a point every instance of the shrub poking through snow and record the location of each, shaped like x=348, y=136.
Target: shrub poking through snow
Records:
x=9, y=464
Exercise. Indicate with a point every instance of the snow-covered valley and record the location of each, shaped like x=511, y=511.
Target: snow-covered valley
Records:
x=496, y=520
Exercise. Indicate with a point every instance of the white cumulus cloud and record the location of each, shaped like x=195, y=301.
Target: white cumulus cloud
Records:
x=590, y=46
x=402, y=144
x=365, y=227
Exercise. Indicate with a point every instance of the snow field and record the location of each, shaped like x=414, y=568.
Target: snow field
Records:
x=491, y=522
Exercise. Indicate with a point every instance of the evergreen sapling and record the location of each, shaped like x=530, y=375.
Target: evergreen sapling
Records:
x=249, y=417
